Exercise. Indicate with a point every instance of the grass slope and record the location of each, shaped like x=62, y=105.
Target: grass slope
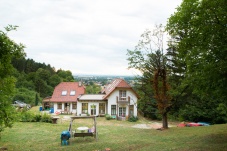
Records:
x=116, y=135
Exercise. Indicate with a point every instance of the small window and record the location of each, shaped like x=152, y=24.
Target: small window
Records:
x=63, y=92
x=122, y=111
x=72, y=92
x=59, y=106
x=113, y=109
x=101, y=108
x=122, y=95
x=84, y=108
x=74, y=106
x=131, y=110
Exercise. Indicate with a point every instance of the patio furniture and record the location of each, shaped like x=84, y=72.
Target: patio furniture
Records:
x=84, y=131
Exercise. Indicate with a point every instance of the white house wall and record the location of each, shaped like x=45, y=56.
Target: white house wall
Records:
x=79, y=107
x=112, y=101
x=63, y=108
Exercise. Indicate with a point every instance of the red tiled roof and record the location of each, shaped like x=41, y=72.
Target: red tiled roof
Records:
x=117, y=83
x=67, y=86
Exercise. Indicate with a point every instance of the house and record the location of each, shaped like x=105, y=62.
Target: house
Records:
x=64, y=98
x=117, y=99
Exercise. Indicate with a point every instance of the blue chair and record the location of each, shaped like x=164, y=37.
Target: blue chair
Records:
x=65, y=135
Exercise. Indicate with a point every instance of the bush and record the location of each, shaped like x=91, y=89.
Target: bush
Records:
x=46, y=118
x=37, y=118
x=26, y=117
x=31, y=117
x=133, y=119
x=108, y=117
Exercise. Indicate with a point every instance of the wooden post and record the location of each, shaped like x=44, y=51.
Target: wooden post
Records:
x=128, y=106
x=117, y=107
x=96, y=131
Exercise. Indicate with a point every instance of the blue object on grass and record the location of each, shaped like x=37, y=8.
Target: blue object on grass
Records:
x=204, y=123
x=65, y=135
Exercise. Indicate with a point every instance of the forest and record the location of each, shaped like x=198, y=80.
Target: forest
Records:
x=36, y=80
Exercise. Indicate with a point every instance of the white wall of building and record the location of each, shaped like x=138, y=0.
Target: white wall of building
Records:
x=79, y=107
x=112, y=101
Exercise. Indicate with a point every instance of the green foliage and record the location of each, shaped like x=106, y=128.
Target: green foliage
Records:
x=65, y=75
x=199, y=43
x=108, y=117
x=8, y=50
x=26, y=95
x=200, y=28
x=46, y=118
x=36, y=99
x=93, y=89
x=207, y=109
x=54, y=80
x=133, y=119
x=37, y=77
x=26, y=116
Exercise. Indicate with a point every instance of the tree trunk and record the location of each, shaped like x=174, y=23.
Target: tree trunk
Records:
x=164, y=121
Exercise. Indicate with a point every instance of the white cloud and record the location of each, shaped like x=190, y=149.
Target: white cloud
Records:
x=84, y=36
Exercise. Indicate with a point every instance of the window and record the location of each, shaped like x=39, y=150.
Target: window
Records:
x=122, y=111
x=59, y=106
x=131, y=110
x=74, y=106
x=72, y=92
x=122, y=95
x=63, y=92
x=113, y=109
x=84, y=108
x=101, y=108
x=93, y=109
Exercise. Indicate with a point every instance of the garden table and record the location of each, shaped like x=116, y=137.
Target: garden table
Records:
x=82, y=129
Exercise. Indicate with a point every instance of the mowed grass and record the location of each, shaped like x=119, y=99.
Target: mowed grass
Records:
x=116, y=135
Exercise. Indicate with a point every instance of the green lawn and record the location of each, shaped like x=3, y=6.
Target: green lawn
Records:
x=116, y=135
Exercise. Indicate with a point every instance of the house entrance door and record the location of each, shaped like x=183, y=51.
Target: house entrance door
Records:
x=93, y=109
x=67, y=107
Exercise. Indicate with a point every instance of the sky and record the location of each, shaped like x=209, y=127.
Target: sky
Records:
x=83, y=36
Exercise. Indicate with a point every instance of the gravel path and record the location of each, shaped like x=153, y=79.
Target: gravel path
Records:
x=154, y=125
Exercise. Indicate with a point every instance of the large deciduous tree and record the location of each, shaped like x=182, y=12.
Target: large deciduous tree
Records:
x=199, y=29
x=8, y=49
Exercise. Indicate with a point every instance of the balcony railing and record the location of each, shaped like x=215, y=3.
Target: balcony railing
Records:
x=123, y=100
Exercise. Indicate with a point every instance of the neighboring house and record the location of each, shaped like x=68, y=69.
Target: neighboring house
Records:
x=117, y=99
x=64, y=98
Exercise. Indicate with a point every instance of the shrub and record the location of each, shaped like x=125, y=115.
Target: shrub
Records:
x=26, y=117
x=133, y=119
x=37, y=118
x=108, y=117
x=46, y=118
x=31, y=117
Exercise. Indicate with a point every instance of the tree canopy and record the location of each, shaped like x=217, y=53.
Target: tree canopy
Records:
x=8, y=50
x=198, y=30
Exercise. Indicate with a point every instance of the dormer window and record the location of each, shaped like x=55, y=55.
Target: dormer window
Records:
x=122, y=95
x=63, y=92
x=73, y=92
